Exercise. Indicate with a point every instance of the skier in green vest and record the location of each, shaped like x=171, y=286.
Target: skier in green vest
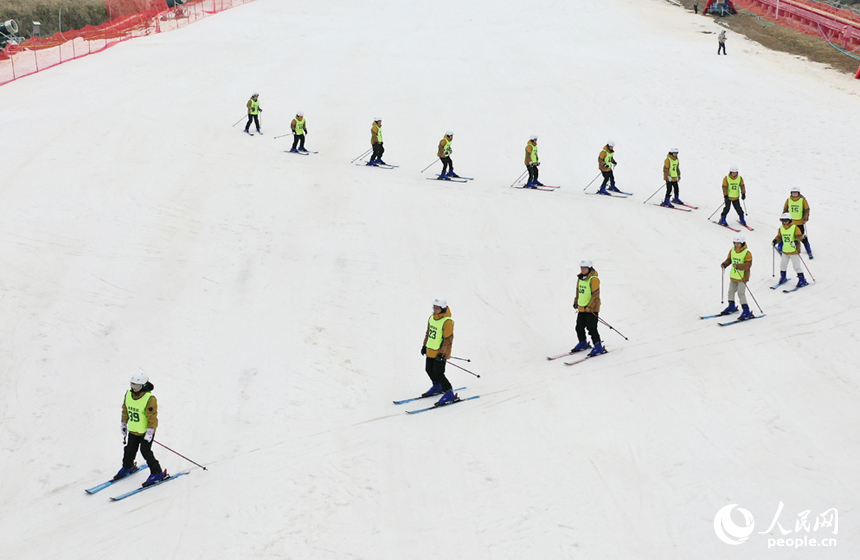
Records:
x=139, y=422
x=299, y=128
x=444, y=154
x=787, y=242
x=438, y=340
x=671, y=175
x=740, y=259
x=734, y=191
x=254, y=111
x=587, y=303
x=798, y=207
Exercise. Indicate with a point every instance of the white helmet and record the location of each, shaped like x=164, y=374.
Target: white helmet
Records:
x=673, y=151
x=785, y=216
x=533, y=137
x=449, y=133
x=377, y=119
x=586, y=263
x=140, y=379
x=795, y=190
x=611, y=143
x=733, y=169
x=300, y=114
x=440, y=302
x=255, y=95
x=739, y=239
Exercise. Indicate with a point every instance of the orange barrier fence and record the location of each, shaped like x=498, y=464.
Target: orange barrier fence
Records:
x=136, y=18
x=812, y=18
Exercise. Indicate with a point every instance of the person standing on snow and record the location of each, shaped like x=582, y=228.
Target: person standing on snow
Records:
x=605, y=162
x=376, y=143
x=254, y=111
x=532, y=163
x=797, y=206
x=671, y=175
x=438, y=340
x=740, y=259
x=299, y=128
x=444, y=155
x=139, y=422
x=588, y=305
x=721, y=38
x=733, y=189
x=787, y=242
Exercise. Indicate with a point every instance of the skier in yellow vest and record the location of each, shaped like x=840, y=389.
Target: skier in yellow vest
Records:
x=139, y=422
x=787, y=242
x=733, y=190
x=587, y=303
x=605, y=162
x=438, y=340
x=532, y=163
x=740, y=260
x=444, y=155
x=671, y=175
x=798, y=207
x=254, y=111
x=299, y=128
x=376, y=143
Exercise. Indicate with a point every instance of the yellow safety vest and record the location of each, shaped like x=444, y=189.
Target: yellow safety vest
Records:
x=137, y=421
x=795, y=208
x=447, y=149
x=738, y=258
x=255, y=107
x=673, y=168
x=379, y=133
x=534, y=156
x=788, y=235
x=733, y=188
x=300, y=126
x=607, y=161
x=584, y=291
x=434, y=333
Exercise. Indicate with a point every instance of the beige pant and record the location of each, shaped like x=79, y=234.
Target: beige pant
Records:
x=795, y=261
x=739, y=288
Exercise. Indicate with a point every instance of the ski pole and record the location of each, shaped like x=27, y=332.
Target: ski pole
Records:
x=362, y=155
x=655, y=192
x=180, y=454
x=745, y=206
x=611, y=327
x=722, y=285
x=804, y=265
x=461, y=359
x=282, y=135
x=464, y=369
x=754, y=299
x=593, y=180
x=519, y=178
x=714, y=212
x=773, y=263
x=240, y=120
x=428, y=167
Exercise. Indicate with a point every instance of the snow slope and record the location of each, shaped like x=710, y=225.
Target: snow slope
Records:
x=278, y=302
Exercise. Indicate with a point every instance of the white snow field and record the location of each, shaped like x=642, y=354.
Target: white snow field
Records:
x=278, y=302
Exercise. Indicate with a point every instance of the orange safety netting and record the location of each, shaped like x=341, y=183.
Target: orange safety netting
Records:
x=813, y=18
x=130, y=18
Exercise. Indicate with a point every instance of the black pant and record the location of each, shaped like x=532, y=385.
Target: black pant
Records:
x=446, y=165
x=378, y=150
x=298, y=140
x=736, y=203
x=134, y=442
x=722, y=47
x=533, y=173
x=586, y=320
x=608, y=177
x=669, y=186
x=255, y=120
x=436, y=370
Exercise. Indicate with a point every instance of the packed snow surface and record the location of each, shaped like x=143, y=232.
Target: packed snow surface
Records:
x=278, y=302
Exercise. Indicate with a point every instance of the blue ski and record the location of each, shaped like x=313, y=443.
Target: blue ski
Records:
x=441, y=405
x=142, y=488
x=717, y=315
x=778, y=285
x=588, y=357
x=104, y=485
x=446, y=178
x=794, y=289
x=427, y=397
x=739, y=321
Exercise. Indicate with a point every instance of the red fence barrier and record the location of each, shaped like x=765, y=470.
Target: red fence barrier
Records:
x=812, y=18
x=37, y=54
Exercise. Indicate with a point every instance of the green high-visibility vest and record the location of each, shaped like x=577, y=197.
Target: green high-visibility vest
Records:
x=300, y=126
x=434, y=333
x=733, y=188
x=534, y=153
x=379, y=133
x=447, y=149
x=584, y=291
x=255, y=107
x=795, y=208
x=607, y=161
x=738, y=258
x=673, y=168
x=788, y=236
x=137, y=421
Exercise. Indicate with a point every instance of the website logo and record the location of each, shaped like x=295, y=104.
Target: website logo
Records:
x=728, y=531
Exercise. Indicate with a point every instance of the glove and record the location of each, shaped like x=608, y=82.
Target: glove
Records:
x=774, y=242
x=150, y=434
x=724, y=265
x=726, y=198
x=743, y=196
x=423, y=350
x=124, y=429
x=440, y=357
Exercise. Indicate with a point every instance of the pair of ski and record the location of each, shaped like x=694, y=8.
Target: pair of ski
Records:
x=788, y=291
x=549, y=188
x=679, y=206
x=456, y=179
x=613, y=194
x=378, y=165
x=731, y=228
x=103, y=485
x=301, y=153
x=735, y=322
x=578, y=360
x=249, y=133
x=435, y=406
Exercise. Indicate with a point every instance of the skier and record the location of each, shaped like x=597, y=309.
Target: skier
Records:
x=605, y=162
x=671, y=175
x=254, y=110
x=721, y=39
x=797, y=206
x=588, y=305
x=438, y=340
x=740, y=259
x=733, y=189
x=376, y=143
x=139, y=422
x=299, y=129
x=532, y=163
x=444, y=154
x=787, y=242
